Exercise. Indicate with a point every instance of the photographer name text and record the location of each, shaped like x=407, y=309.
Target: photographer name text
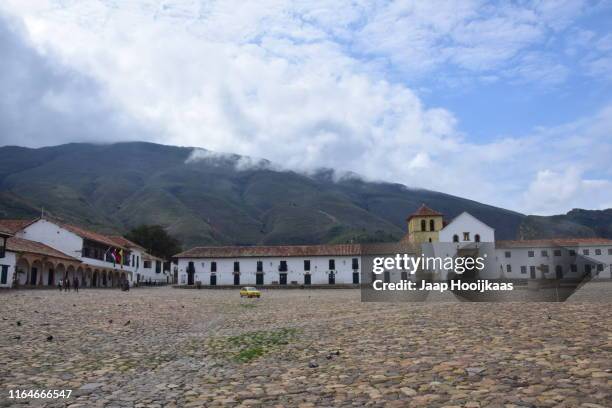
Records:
x=482, y=285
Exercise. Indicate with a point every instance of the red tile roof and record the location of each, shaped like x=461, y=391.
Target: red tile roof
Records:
x=267, y=251
x=148, y=257
x=90, y=235
x=14, y=226
x=553, y=242
x=122, y=241
x=5, y=232
x=390, y=248
x=15, y=244
x=424, y=211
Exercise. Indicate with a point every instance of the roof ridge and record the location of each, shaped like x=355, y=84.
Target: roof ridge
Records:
x=424, y=211
x=87, y=233
x=14, y=225
x=558, y=239
x=121, y=237
x=276, y=250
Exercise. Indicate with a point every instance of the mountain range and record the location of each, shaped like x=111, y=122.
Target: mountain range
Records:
x=214, y=199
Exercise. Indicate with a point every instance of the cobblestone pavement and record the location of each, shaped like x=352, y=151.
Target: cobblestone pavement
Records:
x=186, y=348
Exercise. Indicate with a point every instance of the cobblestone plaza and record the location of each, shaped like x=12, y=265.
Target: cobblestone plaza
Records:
x=188, y=348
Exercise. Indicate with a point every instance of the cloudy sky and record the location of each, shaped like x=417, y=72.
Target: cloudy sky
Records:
x=505, y=103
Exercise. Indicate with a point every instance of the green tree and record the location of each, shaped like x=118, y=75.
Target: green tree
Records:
x=155, y=240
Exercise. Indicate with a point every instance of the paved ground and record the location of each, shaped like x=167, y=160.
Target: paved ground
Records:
x=313, y=348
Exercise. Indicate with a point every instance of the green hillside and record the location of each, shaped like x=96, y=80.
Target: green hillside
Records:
x=576, y=223
x=114, y=187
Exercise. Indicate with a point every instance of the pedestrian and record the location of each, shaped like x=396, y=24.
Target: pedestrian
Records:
x=66, y=285
x=59, y=284
x=76, y=284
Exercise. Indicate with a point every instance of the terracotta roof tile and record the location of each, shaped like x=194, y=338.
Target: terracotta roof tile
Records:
x=267, y=251
x=14, y=226
x=553, y=242
x=122, y=241
x=390, y=248
x=424, y=211
x=90, y=235
x=5, y=232
x=148, y=257
x=15, y=244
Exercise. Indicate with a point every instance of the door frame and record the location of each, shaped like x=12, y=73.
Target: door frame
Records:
x=33, y=275
x=190, y=273
x=331, y=278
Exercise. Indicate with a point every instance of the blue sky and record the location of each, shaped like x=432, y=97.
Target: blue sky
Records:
x=489, y=109
x=507, y=103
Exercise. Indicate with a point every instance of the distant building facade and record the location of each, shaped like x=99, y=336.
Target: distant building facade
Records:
x=42, y=252
x=427, y=235
x=271, y=265
x=555, y=258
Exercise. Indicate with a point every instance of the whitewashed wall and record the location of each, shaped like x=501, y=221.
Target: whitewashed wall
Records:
x=67, y=242
x=465, y=222
x=54, y=236
x=319, y=270
x=520, y=257
x=486, y=251
x=136, y=264
x=147, y=274
x=8, y=260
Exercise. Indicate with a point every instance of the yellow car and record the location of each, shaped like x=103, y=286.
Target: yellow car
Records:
x=250, y=292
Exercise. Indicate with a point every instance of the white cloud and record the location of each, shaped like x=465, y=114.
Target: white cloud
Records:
x=555, y=192
x=304, y=84
x=538, y=69
x=240, y=163
x=45, y=102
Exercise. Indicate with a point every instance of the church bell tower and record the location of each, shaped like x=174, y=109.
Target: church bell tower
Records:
x=424, y=225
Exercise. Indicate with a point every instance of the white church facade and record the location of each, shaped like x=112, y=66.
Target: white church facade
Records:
x=466, y=229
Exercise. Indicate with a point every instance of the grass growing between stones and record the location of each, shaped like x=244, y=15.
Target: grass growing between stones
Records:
x=252, y=345
x=248, y=305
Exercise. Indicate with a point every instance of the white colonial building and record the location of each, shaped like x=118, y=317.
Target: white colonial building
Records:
x=555, y=258
x=146, y=268
x=427, y=235
x=270, y=265
x=41, y=252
